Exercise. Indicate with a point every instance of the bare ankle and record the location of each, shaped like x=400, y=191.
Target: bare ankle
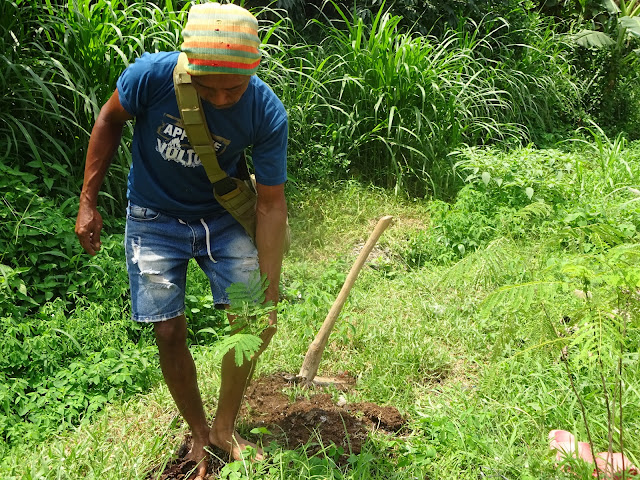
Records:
x=221, y=431
x=200, y=437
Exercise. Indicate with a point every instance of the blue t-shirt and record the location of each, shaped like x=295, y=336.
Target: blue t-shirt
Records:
x=166, y=174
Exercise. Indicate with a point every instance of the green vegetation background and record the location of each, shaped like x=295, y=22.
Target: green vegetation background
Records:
x=502, y=304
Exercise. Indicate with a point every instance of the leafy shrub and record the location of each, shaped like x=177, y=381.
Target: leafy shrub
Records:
x=13, y=291
x=38, y=238
x=587, y=228
x=574, y=198
x=476, y=218
x=507, y=175
x=516, y=194
x=456, y=230
x=33, y=407
x=58, y=367
x=67, y=348
x=39, y=246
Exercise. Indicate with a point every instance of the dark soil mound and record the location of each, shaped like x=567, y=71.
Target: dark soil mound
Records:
x=317, y=418
x=314, y=420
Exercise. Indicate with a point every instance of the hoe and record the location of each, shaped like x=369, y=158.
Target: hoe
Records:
x=307, y=375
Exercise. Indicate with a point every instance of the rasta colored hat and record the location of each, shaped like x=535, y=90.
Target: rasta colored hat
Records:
x=221, y=39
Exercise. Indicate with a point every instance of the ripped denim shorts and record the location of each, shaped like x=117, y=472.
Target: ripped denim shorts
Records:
x=159, y=248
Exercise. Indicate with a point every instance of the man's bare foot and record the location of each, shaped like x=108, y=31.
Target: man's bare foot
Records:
x=199, y=455
x=235, y=445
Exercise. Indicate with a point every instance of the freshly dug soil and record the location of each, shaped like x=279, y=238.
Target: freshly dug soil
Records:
x=318, y=417
x=314, y=420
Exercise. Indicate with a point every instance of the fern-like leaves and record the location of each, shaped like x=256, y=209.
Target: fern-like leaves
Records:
x=482, y=267
x=251, y=317
x=244, y=344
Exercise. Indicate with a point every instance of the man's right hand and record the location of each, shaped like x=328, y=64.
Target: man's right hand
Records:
x=103, y=143
x=88, y=228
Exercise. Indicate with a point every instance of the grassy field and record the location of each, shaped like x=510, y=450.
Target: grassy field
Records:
x=501, y=304
x=465, y=341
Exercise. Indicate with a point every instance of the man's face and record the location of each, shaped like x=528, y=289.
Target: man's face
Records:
x=222, y=90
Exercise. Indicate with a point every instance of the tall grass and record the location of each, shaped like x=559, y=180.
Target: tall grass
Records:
x=370, y=101
x=389, y=105
x=34, y=123
x=62, y=65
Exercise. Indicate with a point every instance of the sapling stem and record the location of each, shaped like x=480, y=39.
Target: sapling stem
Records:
x=610, y=417
x=623, y=333
x=585, y=287
x=607, y=402
x=565, y=358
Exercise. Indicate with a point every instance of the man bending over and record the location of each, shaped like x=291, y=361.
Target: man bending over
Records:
x=172, y=215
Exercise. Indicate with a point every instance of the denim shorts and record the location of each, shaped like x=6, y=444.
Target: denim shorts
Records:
x=159, y=247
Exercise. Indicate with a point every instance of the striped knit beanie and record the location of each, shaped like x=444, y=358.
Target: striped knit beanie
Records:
x=221, y=39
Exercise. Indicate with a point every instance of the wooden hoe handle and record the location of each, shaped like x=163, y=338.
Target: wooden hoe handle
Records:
x=314, y=353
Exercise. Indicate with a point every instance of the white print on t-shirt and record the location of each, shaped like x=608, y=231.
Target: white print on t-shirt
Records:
x=173, y=145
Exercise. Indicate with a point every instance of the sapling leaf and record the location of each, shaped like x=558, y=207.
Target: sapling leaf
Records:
x=251, y=314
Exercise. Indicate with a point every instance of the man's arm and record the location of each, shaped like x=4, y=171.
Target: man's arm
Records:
x=103, y=143
x=271, y=219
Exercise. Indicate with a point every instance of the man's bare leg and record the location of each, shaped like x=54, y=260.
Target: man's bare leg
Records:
x=233, y=383
x=179, y=371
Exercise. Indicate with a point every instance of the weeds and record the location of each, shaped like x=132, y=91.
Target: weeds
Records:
x=460, y=321
x=469, y=348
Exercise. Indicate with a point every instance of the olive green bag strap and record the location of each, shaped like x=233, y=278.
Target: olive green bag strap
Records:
x=236, y=196
x=194, y=122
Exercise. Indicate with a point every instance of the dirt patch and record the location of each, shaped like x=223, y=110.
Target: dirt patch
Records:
x=313, y=419
x=317, y=418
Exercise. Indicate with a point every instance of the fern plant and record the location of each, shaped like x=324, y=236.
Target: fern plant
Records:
x=250, y=314
x=585, y=312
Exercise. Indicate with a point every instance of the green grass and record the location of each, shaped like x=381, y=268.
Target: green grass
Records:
x=370, y=101
x=459, y=319
x=468, y=349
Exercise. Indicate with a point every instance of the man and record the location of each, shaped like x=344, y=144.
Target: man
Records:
x=172, y=214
